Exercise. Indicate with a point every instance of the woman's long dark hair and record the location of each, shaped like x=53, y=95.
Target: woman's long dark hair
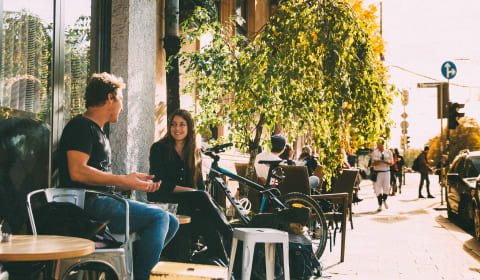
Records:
x=190, y=153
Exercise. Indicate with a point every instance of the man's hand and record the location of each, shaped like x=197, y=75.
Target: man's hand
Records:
x=141, y=182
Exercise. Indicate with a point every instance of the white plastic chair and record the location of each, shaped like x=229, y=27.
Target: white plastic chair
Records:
x=118, y=259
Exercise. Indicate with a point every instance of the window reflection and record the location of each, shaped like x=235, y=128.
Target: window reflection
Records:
x=77, y=56
x=26, y=56
x=25, y=85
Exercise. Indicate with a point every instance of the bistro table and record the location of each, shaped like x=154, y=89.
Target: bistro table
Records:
x=183, y=219
x=44, y=247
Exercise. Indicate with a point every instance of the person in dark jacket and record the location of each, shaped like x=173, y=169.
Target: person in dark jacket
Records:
x=424, y=170
x=400, y=163
x=175, y=160
x=287, y=155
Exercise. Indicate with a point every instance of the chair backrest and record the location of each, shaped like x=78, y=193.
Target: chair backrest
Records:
x=296, y=180
x=253, y=195
x=346, y=182
x=75, y=196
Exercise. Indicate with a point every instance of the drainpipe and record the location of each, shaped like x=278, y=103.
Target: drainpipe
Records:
x=172, y=47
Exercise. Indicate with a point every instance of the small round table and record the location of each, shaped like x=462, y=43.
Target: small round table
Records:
x=183, y=219
x=44, y=247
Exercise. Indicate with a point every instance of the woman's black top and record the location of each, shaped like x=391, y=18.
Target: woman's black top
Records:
x=166, y=165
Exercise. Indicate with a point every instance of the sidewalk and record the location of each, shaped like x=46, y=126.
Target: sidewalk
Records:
x=410, y=240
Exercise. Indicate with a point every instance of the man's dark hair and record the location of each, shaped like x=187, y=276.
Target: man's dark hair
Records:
x=99, y=86
x=278, y=143
x=426, y=148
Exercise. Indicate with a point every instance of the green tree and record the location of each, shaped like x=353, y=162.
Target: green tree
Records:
x=465, y=136
x=410, y=155
x=311, y=69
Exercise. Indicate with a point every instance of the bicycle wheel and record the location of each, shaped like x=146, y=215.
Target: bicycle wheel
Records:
x=317, y=226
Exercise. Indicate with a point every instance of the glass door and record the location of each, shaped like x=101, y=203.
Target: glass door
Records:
x=26, y=62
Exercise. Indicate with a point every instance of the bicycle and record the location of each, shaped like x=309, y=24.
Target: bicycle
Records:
x=271, y=197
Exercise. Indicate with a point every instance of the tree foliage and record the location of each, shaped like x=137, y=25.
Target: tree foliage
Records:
x=312, y=70
x=465, y=136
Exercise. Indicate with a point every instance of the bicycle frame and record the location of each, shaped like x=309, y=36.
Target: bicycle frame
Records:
x=216, y=173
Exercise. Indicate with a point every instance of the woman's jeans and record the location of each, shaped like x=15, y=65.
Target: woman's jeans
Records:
x=156, y=227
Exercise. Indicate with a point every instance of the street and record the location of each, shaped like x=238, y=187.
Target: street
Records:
x=410, y=240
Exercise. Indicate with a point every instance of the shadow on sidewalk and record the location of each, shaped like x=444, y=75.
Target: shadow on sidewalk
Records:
x=473, y=249
x=449, y=225
x=390, y=219
x=414, y=212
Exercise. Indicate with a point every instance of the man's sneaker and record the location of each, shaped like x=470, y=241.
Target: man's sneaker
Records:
x=420, y=196
x=379, y=208
x=385, y=204
x=430, y=196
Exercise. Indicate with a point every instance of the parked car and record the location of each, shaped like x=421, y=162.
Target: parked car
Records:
x=463, y=185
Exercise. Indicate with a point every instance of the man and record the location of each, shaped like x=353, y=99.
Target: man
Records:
x=85, y=161
x=424, y=170
x=381, y=161
x=277, y=144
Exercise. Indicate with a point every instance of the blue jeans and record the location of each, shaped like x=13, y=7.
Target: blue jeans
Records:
x=313, y=181
x=156, y=227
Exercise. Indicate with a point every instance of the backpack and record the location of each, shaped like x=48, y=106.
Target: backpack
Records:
x=416, y=164
x=67, y=219
x=303, y=263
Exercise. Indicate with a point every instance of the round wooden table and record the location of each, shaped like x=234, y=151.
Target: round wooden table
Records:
x=44, y=247
x=183, y=219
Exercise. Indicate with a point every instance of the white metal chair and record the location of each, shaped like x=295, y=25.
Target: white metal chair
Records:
x=118, y=259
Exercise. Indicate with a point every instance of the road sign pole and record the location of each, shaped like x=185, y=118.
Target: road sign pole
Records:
x=440, y=88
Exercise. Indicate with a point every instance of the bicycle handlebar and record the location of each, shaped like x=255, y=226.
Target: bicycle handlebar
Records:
x=218, y=148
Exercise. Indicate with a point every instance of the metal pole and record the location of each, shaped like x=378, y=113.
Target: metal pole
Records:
x=440, y=87
x=404, y=146
x=447, y=148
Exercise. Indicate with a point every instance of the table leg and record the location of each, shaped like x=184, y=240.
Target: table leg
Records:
x=344, y=228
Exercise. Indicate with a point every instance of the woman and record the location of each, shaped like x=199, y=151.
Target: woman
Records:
x=176, y=161
x=287, y=155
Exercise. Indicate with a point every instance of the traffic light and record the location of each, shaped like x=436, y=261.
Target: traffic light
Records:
x=407, y=142
x=454, y=115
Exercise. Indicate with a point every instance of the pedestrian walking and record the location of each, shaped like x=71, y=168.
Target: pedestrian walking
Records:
x=424, y=170
x=381, y=161
x=393, y=174
x=400, y=163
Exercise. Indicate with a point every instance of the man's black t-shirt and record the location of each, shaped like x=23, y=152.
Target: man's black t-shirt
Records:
x=83, y=135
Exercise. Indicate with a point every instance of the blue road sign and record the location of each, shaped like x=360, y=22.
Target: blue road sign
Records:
x=449, y=70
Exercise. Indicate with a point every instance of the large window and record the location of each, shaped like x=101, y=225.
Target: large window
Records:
x=26, y=62
x=45, y=60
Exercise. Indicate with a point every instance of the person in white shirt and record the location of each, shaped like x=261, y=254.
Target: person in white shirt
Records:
x=381, y=161
x=277, y=143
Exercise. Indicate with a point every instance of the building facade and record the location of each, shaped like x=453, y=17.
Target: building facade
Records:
x=49, y=48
